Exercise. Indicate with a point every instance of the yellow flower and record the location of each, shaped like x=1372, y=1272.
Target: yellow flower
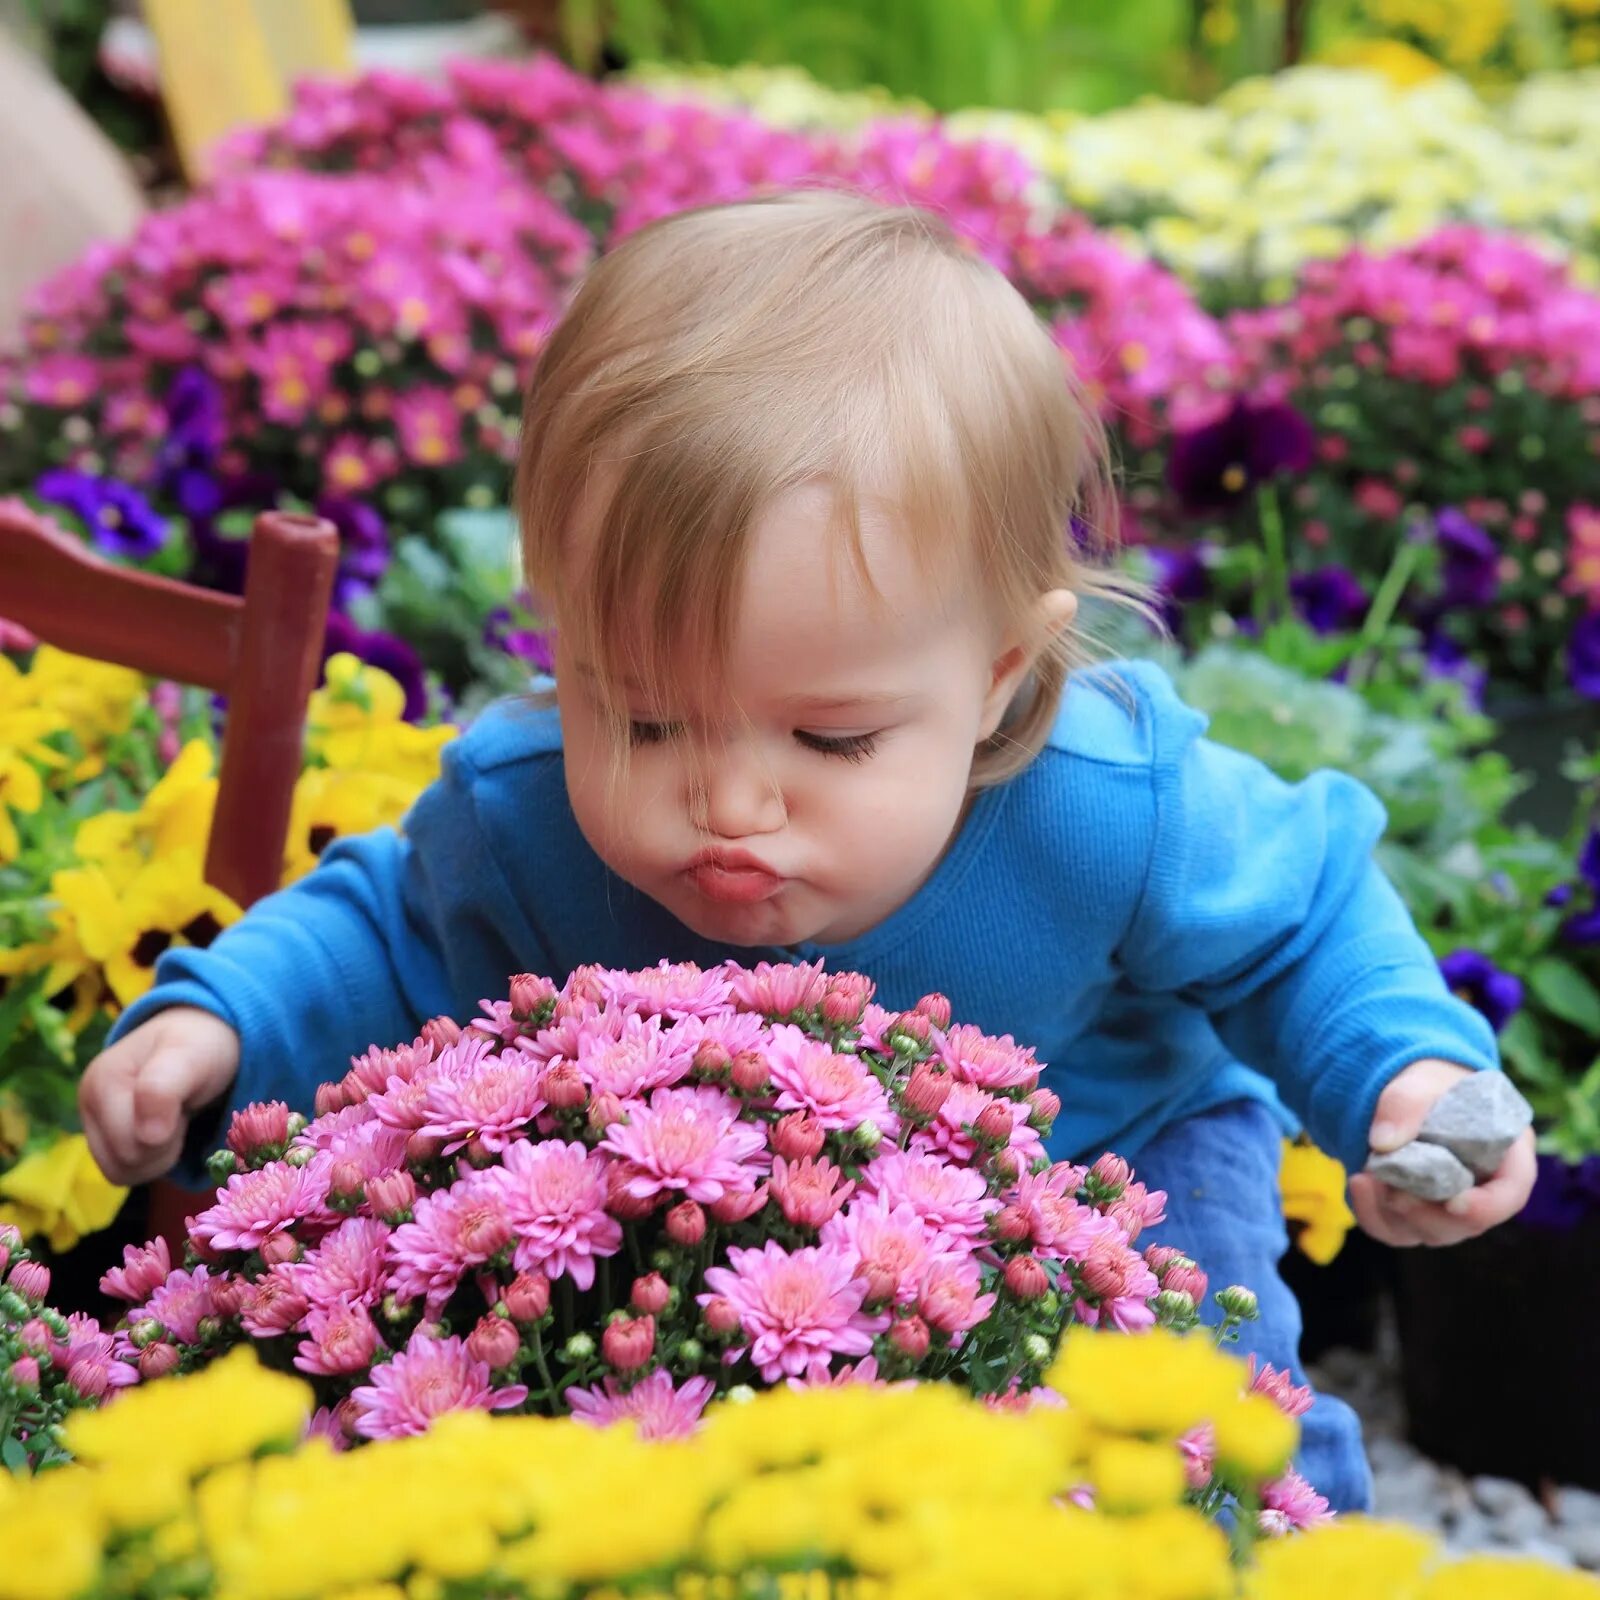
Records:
x=1254, y=1437
x=175, y=817
x=1506, y=1578
x=354, y=723
x=331, y=803
x=97, y=700
x=1135, y=1475
x=1158, y=1383
x=1314, y=1205
x=1352, y=1559
x=58, y=1192
x=1399, y=63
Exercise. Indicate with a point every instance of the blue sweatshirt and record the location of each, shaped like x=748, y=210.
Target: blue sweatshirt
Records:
x=1168, y=924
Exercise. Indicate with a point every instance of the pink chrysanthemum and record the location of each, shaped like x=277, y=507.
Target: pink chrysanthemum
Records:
x=347, y=1267
x=973, y=1056
x=892, y=1247
x=837, y=1090
x=1138, y=1208
x=256, y=1205
x=325, y=1424
x=778, y=991
x=810, y=1191
x=864, y=1371
x=652, y=1405
x=797, y=1309
x=495, y=1103
x=555, y=1195
x=403, y=1106
x=949, y=1299
x=451, y=1230
x=274, y=1305
x=143, y=1268
x=1290, y=1505
x=1291, y=1398
x=340, y=1339
x=691, y=1141
x=264, y=1123
x=374, y=1148
x=334, y=1126
x=180, y=1303
x=96, y=1361
x=954, y=1201
x=669, y=990
x=733, y=1030
x=1020, y=1402
x=630, y=1063
x=875, y=1026
x=373, y=1072
x=425, y=1380
x=1198, y=1448
x=966, y=1102
x=1054, y=1215
x=562, y=1040
x=1115, y=1275
x=499, y=1021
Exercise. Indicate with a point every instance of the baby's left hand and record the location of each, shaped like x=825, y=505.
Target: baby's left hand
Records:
x=1398, y=1218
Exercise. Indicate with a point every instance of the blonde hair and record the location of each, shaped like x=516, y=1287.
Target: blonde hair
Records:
x=721, y=357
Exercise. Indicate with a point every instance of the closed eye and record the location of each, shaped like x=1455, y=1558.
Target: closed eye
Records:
x=850, y=747
x=652, y=732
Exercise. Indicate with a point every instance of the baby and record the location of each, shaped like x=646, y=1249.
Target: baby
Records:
x=813, y=507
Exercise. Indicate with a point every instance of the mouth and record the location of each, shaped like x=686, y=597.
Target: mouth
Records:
x=733, y=877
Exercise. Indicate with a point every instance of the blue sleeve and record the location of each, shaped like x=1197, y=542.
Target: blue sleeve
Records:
x=1263, y=904
x=390, y=929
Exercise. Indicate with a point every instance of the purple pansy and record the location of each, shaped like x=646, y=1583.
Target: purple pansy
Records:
x=506, y=629
x=363, y=546
x=1471, y=560
x=1583, y=656
x=1476, y=979
x=1444, y=658
x=1330, y=599
x=1564, y=1193
x=118, y=518
x=384, y=651
x=1214, y=467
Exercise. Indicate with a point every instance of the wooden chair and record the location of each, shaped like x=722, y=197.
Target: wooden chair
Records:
x=262, y=651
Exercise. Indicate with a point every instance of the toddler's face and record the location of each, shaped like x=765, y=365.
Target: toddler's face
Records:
x=816, y=791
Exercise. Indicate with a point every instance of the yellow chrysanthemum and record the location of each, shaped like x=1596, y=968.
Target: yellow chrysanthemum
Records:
x=59, y=1194
x=1313, y=1188
x=1158, y=1383
x=1373, y=1560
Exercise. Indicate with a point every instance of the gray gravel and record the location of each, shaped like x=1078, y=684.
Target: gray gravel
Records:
x=1468, y=1514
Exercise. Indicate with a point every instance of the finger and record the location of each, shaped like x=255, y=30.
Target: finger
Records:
x=112, y=1121
x=158, y=1096
x=1500, y=1197
x=1404, y=1105
x=1377, y=1210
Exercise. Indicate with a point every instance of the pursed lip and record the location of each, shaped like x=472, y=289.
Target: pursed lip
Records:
x=733, y=876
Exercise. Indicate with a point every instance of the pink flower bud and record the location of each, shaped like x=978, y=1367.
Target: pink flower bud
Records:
x=1112, y=1172
x=157, y=1360
x=36, y=1338
x=478, y=1154
x=1046, y=1107
x=797, y=1136
x=24, y=1374
x=144, y=1269
x=721, y=1315
x=749, y=1073
x=621, y=1202
x=1187, y=1278
x=650, y=1294
x=441, y=1033
x=882, y=1279
x=927, y=1090
x=495, y=1341
x=909, y=1335
x=686, y=1223
x=1011, y=1224
x=584, y=986
x=528, y=1297
x=530, y=993
x=994, y=1122
x=604, y=1109
x=345, y=1179
x=936, y=1008
x=329, y=1098
x=629, y=1343
x=256, y=1126
x=279, y=1247
x=563, y=1088
x=711, y=1059
x=1026, y=1278
x=421, y=1148
x=391, y=1196
x=5, y=1259
x=31, y=1279
x=845, y=1000
x=1007, y=1168
x=228, y=1296
x=90, y=1376
x=1161, y=1256
x=736, y=1205
x=914, y=1028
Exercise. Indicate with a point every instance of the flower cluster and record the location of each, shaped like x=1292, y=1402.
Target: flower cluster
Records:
x=623, y=1197
x=104, y=812
x=911, y=1493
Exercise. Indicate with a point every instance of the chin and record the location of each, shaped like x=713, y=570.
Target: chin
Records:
x=763, y=924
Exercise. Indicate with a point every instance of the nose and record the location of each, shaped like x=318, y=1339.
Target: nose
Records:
x=737, y=795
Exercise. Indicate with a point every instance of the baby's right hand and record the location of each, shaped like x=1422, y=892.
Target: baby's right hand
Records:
x=137, y=1097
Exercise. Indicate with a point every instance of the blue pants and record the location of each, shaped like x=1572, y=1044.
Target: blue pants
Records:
x=1220, y=1171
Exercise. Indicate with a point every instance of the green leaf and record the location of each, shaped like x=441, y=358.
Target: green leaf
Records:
x=14, y=1006
x=14, y=1456
x=1564, y=991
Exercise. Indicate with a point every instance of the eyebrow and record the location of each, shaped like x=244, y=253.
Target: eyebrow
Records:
x=880, y=701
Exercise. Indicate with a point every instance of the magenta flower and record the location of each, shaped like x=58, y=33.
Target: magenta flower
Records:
x=555, y=1195
x=891, y=1246
x=143, y=1268
x=1290, y=1505
x=339, y=1339
x=1291, y=1398
x=669, y=990
x=950, y=1298
x=797, y=1309
x=347, y=1267
x=180, y=1302
x=631, y=1061
x=950, y=1132
x=652, y=1405
x=265, y=1124
x=974, y=1057
x=494, y=1101
x=1115, y=1275
x=809, y=1191
x=839, y=1091
x=256, y=1205
x=690, y=1141
x=953, y=1201
x=425, y=1380
x=274, y=1305
x=778, y=991
x=451, y=1230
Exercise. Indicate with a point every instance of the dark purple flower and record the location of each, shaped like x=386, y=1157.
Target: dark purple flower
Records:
x=384, y=651
x=506, y=629
x=118, y=519
x=1583, y=655
x=1181, y=576
x=1559, y=896
x=1589, y=859
x=1444, y=658
x=1214, y=467
x=1564, y=1193
x=1471, y=560
x=196, y=429
x=363, y=546
x=1473, y=977
x=1583, y=927
x=1330, y=599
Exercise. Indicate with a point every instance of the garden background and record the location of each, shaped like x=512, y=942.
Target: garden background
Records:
x=1329, y=268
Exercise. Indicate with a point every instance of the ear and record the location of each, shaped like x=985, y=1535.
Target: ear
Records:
x=1052, y=614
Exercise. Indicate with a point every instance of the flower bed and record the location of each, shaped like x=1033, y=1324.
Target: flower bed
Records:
x=108, y=805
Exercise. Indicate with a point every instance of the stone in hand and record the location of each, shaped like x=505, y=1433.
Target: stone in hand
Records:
x=1428, y=1171
x=1478, y=1121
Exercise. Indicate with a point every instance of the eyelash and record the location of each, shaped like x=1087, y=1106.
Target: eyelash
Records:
x=849, y=747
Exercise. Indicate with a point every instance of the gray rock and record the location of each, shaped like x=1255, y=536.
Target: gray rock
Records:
x=1411, y=1493
x=1470, y=1531
x=1478, y=1121
x=1518, y=1524
x=1547, y=1551
x=1428, y=1171
x=1502, y=1496
x=1582, y=1543
x=1579, y=1508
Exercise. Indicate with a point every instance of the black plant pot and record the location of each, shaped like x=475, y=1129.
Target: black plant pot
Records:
x=1497, y=1352
x=1536, y=735
x=75, y=1274
x=1341, y=1303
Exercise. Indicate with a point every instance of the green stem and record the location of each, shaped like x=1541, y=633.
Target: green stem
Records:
x=544, y=1368
x=1273, y=597
x=1382, y=610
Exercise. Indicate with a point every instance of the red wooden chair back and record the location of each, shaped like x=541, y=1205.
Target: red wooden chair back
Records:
x=262, y=651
